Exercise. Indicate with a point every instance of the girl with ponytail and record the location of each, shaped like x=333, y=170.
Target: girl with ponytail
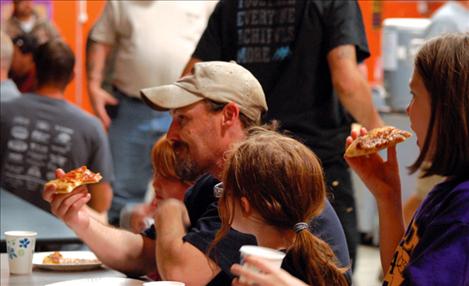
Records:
x=272, y=187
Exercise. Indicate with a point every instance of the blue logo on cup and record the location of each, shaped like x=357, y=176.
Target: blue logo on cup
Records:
x=24, y=242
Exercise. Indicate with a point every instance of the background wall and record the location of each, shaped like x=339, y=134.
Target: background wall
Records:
x=74, y=20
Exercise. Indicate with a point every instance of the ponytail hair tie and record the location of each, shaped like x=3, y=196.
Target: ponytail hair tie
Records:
x=300, y=227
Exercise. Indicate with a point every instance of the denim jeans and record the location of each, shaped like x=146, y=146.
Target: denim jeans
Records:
x=134, y=129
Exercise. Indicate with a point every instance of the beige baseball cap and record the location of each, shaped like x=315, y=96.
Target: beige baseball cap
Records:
x=221, y=82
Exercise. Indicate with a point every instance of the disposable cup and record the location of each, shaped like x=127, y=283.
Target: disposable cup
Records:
x=271, y=256
x=20, y=249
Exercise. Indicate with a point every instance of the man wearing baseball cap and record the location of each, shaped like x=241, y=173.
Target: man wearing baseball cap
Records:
x=211, y=110
x=216, y=81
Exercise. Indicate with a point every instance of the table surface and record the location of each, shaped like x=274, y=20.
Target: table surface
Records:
x=43, y=277
x=17, y=214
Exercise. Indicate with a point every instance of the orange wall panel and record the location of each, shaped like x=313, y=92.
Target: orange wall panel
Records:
x=66, y=18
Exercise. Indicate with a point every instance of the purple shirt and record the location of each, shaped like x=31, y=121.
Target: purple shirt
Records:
x=435, y=247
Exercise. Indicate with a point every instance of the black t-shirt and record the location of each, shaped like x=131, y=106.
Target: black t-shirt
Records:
x=203, y=213
x=285, y=43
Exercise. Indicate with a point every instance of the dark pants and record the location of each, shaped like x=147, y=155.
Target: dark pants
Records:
x=341, y=196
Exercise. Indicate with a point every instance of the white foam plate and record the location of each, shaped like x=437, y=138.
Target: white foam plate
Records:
x=101, y=281
x=39, y=257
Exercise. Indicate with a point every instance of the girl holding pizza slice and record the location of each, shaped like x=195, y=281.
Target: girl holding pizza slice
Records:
x=434, y=248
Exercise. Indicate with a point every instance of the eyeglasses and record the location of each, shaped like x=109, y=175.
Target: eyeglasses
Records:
x=218, y=190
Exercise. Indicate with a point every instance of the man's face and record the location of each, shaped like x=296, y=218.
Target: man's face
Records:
x=23, y=8
x=195, y=132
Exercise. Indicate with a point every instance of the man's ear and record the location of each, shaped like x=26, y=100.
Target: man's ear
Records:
x=230, y=113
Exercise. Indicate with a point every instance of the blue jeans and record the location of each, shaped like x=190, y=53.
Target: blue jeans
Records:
x=134, y=129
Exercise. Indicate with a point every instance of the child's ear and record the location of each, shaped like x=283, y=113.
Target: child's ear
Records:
x=246, y=206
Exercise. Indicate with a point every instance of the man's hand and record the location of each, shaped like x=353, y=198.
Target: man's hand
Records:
x=99, y=99
x=270, y=276
x=71, y=207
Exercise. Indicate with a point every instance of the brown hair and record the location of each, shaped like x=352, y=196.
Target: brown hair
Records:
x=163, y=158
x=54, y=63
x=443, y=65
x=218, y=106
x=283, y=181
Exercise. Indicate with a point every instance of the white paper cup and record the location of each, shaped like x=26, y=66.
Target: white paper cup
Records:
x=271, y=256
x=20, y=249
x=163, y=283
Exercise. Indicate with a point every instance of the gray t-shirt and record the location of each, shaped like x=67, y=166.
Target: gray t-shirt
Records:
x=8, y=90
x=40, y=134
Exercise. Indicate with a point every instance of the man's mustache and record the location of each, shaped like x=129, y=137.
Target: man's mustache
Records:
x=178, y=145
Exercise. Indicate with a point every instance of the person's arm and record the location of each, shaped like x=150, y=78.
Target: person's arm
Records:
x=382, y=179
x=95, y=63
x=270, y=275
x=351, y=87
x=176, y=259
x=101, y=217
x=101, y=197
x=118, y=249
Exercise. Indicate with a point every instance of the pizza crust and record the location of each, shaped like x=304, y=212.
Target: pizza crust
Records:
x=73, y=179
x=376, y=140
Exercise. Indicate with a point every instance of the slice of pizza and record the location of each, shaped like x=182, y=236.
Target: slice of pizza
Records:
x=53, y=258
x=73, y=179
x=376, y=140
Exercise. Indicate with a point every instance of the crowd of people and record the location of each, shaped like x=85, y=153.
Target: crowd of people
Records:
x=233, y=116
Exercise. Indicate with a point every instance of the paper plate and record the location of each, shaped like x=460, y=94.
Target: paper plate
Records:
x=79, y=266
